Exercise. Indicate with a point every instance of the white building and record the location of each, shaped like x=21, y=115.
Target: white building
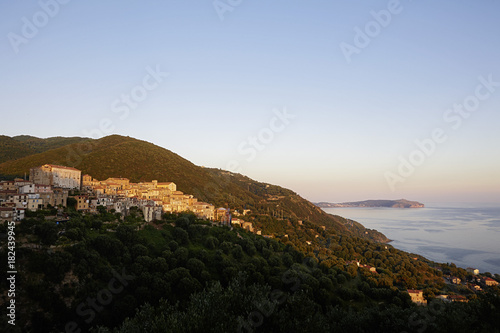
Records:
x=28, y=188
x=473, y=271
x=151, y=213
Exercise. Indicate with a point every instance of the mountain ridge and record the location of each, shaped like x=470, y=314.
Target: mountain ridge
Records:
x=26, y=145
x=119, y=156
x=400, y=203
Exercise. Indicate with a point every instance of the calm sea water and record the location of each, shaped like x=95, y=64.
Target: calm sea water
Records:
x=465, y=234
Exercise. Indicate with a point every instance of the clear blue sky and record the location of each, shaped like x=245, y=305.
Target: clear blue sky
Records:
x=64, y=70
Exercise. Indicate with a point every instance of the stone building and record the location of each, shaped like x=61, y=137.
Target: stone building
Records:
x=56, y=175
x=82, y=203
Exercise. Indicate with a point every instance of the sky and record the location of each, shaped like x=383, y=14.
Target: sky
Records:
x=336, y=100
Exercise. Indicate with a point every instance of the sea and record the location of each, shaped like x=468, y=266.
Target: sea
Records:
x=467, y=235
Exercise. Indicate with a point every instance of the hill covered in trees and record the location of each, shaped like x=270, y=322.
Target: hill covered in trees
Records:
x=401, y=203
x=25, y=145
x=118, y=156
x=109, y=273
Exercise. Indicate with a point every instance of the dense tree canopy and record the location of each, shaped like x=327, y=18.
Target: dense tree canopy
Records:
x=180, y=274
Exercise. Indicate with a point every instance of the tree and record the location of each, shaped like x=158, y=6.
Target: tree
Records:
x=71, y=202
x=182, y=255
x=181, y=236
x=195, y=266
x=211, y=242
x=47, y=231
x=126, y=234
x=237, y=252
x=74, y=234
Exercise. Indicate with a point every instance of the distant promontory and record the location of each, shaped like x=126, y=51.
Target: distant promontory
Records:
x=401, y=203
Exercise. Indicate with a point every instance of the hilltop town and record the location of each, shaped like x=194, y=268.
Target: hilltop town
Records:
x=55, y=185
x=52, y=185
x=67, y=220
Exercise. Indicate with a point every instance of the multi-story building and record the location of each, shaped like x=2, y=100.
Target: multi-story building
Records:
x=56, y=175
x=82, y=203
x=203, y=210
x=490, y=282
x=7, y=213
x=151, y=212
x=121, y=181
x=35, y=202
x=168, y=185
x=27, y=188
x=11, y=213
x=8, y=185
x=19, y=200
x=55, y=198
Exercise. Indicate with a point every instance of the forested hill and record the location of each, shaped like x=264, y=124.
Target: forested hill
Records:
x=109, y=273
x=119, y=156
x=401, y=203
x=25, y=145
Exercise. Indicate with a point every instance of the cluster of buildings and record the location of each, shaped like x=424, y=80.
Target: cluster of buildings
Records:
x=48, y=185
x=476, y=284
x=153, y=198
x=51, y=184
x=368, y=267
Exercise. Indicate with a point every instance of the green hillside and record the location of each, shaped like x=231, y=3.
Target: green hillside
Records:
x=109, y=273
x=401, y=203
x=16, y=147
x=118, y=156
x=38, y=145
x=12, y=149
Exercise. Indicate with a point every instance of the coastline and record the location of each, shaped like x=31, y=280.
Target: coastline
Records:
x=463, y=233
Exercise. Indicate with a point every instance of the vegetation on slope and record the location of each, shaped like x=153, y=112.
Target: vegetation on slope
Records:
x=118, y=156
x=401, y=203
x=11, y=149
x=25, y=145
x=183, y=275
